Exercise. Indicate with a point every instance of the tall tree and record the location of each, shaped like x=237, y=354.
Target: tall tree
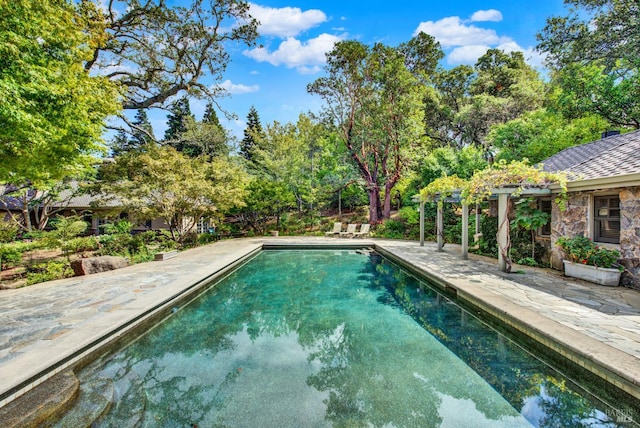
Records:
x=141, y=135
x=210, y=115
x=373, y=96
x=450, y=95
x=594, y=50
x=203, y=139
x=542, y=133
x=603, y=31
x=176, y=120
x=52, y=111
x=142, y=132
x=193, y=37
x=252, y=132
x=505, y=87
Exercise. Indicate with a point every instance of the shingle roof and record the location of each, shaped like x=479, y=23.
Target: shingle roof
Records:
x=611, y=156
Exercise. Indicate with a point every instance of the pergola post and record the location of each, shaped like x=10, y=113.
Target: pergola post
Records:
x=422, y=223
x=503, y=230
x=465, y=231
x=440, y=228
x=478, y=212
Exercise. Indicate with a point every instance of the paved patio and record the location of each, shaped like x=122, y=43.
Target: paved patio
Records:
x=55, y=324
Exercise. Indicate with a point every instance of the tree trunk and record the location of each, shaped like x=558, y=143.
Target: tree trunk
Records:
x=375, y=211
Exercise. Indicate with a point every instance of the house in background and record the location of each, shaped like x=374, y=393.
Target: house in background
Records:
x=604, y=198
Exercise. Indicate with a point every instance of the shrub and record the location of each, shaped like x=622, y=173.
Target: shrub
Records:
x=84, y=243
x=392, y=229
x=10, y=255
x=48, y=272
x=8, y=231
x=580, y=249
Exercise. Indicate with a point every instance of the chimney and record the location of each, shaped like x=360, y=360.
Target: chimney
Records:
x=610, y=133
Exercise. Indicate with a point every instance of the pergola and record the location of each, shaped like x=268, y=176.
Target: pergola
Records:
x=502, y=194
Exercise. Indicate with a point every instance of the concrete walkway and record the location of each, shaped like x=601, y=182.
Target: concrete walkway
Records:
x=57, y=323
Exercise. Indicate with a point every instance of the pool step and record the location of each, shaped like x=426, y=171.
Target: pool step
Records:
x=95, y=399
x=129, y=405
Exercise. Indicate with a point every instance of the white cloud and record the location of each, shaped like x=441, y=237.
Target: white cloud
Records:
x=469, y=42
x=466, y=54
x=304, y=56
x=238, y=88
x=491, y=15
x=285, y=21
x=452, y=31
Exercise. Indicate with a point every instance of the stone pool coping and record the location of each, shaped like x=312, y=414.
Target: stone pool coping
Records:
x=48, y=328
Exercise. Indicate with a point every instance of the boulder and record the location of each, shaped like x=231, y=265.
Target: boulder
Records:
x=90, y=265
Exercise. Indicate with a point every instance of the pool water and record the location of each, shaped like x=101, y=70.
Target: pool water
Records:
x=321, y=338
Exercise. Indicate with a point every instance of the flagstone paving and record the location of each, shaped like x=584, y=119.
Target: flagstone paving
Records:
x=51, y=324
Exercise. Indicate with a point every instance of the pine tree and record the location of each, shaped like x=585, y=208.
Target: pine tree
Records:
x=142, y=133
x=120, y=143
x=253, y=129
x=210, y=116
x=180, y=110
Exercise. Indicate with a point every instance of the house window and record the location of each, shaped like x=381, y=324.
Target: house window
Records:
x=606, y=219
x=544, y=205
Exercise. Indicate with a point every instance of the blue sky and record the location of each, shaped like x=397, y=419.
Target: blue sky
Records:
x=295, y=35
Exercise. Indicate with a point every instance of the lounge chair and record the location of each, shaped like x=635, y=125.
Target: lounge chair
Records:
x=364, y=230
x=351, y=229
x=337, y=228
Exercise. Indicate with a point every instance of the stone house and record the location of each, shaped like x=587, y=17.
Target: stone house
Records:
x=604, y=199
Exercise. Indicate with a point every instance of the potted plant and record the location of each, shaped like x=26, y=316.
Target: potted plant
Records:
x=588, y=261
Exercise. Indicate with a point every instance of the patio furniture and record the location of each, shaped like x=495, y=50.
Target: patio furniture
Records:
x=337, y=228
x=351, y=229
x=364, y=230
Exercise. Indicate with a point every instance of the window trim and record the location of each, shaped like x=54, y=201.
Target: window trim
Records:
x=541, y=230
x=598, y=218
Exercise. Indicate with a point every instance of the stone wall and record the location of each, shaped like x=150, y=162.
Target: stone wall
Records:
x=630, y=236
x=575, y=221
x=572, y=221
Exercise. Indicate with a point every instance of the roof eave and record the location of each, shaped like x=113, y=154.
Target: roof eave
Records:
x=626, y=180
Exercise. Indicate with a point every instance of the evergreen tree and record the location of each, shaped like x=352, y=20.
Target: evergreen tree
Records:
x=141, y=135
x=253, y=129
x=120, y=143
x=210, y=116
x=142, y=132
x=176, y=120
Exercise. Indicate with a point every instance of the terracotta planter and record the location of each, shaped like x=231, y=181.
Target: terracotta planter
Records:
x=598, y=275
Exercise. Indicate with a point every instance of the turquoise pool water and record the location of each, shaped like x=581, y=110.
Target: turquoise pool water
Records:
x=328, y=339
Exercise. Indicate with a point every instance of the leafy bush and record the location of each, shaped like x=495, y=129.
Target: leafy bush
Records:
x=120, y=227
x=206, y=238
x=391, y=229
x=80, y=244
x=527, y=261
x=8, y=231
x=10, y=255
x=580, y=249
x=48, y=272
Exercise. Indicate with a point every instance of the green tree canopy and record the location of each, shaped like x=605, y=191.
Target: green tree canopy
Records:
x=601, y=31
x=52, y=111
x=193, y=37
x=252, y=132
x=540, y=134
x=374, y=98
x=594, y=50
x=161, y=182
x=177, y=120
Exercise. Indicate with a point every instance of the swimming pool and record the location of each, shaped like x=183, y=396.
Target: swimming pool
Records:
x=328, y=338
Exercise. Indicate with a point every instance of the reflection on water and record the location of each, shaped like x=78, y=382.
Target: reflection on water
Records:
x=325, y=338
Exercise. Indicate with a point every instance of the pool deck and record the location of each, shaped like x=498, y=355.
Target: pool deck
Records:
x=55, y=324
